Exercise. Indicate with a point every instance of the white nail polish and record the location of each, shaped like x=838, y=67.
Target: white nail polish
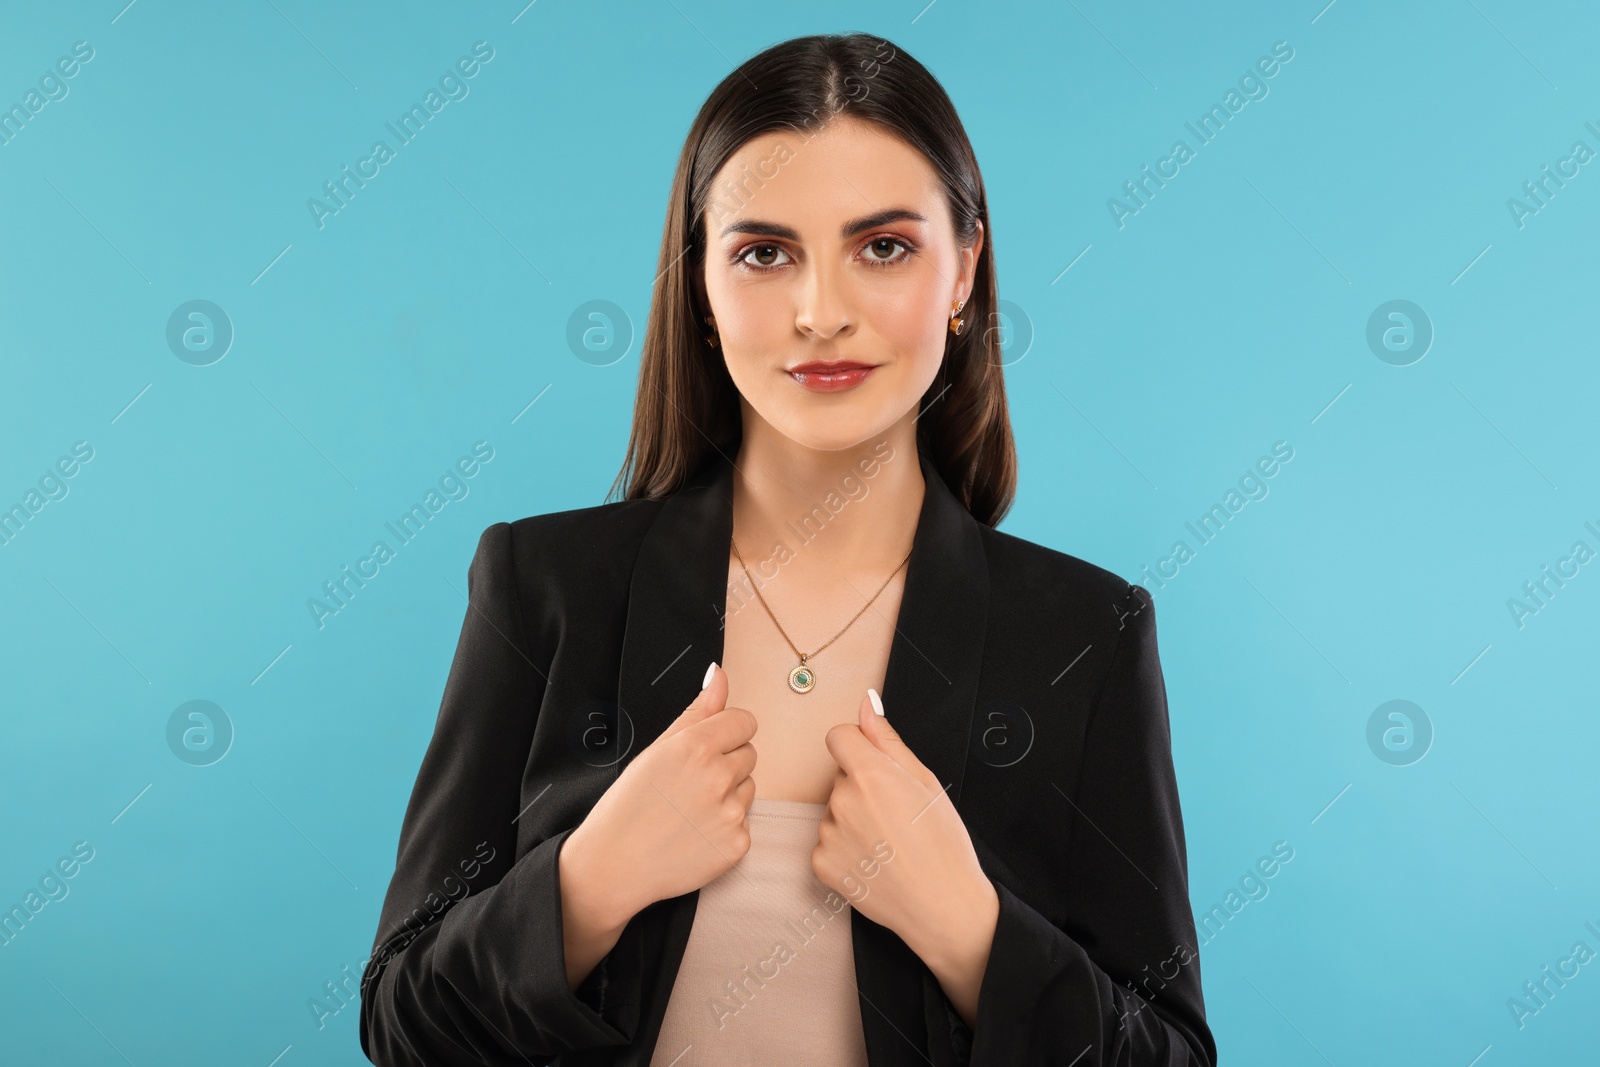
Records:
x=709, y=672
x=877, y=701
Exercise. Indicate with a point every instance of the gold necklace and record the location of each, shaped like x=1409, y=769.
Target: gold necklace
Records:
x=804, y=677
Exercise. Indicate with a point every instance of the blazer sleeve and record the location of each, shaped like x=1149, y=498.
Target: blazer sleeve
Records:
x=1114, y=979
x=468, y=965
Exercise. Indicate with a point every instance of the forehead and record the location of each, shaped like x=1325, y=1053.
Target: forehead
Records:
x=815, y=180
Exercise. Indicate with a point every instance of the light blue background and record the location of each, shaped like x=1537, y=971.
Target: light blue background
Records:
x=1228, y=314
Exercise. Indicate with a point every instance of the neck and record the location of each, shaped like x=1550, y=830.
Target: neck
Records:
x=849, y=512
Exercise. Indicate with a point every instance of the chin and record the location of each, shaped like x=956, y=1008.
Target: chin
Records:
x=833, y=431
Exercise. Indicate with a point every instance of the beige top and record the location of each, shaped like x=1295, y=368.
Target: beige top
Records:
x=768, y=975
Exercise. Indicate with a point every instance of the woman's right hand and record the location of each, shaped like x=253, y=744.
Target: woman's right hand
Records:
x=676, y=817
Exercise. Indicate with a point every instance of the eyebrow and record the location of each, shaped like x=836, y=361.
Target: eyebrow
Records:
x=848, y=230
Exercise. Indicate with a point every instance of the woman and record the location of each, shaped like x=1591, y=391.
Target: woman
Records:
x=790, y=752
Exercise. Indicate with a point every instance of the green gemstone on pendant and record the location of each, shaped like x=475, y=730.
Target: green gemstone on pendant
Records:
x=801, y=679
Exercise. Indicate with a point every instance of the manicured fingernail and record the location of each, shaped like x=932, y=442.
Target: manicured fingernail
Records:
x=711, y=670
x=877, y=701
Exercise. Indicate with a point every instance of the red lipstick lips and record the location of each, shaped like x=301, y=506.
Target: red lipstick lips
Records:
x=831, y=377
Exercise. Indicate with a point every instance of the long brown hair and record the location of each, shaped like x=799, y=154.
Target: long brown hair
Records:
x=687, y=405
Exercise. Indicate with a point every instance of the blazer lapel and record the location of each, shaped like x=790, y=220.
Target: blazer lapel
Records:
x=676, y=603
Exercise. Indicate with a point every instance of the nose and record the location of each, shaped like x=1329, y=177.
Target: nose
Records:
x=824, y=308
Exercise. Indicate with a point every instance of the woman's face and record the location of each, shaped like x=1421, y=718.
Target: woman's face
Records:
x=836, y=248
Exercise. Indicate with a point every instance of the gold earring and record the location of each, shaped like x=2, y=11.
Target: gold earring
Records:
x=956, y=325
x=711, y=338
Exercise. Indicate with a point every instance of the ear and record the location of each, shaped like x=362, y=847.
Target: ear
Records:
x=969, y=264
x=697, y=282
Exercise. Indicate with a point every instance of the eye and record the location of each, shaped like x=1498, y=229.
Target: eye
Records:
x=765, y=253
x=879, y=252
x=887, y=244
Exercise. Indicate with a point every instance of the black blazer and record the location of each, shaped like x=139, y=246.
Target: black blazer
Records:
x=1025, y=678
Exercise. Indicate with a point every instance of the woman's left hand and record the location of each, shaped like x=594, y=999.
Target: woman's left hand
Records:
x=894, y=846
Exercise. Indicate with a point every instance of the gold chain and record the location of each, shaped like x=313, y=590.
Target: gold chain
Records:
x=804, y=656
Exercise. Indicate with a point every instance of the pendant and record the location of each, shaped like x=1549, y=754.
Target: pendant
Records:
x=802, y=678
